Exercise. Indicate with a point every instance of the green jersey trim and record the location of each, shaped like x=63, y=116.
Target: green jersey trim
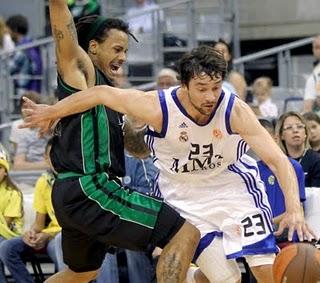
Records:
x=128, y=205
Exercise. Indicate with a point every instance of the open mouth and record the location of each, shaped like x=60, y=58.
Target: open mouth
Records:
x=115, y=67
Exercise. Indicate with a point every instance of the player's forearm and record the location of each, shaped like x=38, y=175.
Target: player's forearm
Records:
x=76, y=103
x=288, y=183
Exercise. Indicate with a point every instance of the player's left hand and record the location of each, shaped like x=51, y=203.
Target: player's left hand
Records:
x=37, y=116
x=295, y=221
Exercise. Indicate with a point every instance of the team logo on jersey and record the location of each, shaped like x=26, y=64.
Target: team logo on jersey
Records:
x=183, y=136
x=183, y=125
x=217, y=133
x=271, y=180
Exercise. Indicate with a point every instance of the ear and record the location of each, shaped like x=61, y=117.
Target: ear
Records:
x=93, y=45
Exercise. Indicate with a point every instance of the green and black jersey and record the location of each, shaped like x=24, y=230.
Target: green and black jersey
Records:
x=89, y=142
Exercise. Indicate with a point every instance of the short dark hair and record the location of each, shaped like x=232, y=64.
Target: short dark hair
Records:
x=18, y=24
x=202, y=59
x=85, y=25
x=267, y=124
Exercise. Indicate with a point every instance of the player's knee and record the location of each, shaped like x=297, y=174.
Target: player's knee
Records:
x=189, y=233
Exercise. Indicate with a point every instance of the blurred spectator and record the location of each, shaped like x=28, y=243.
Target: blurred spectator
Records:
x=313, y=124
x=145, y=22
x=41, y=237
x=17, y=133
x=312, y=87
x=6, y=42
x=27, y=146
x=24, y=63
x=167, y=78
x=273, y=190
x=234, y=80
x=262, y=104
x=292, y=135
x=11, y=207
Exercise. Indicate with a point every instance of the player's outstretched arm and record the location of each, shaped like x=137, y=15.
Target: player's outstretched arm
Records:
x=244, y=122
x=143, y=106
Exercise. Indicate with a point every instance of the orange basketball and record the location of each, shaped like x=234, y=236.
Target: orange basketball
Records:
x=297, y=263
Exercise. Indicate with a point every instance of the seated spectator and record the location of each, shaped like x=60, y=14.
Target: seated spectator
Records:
x=313, y=124
x=11, y=208
x=234, y=80
x=312, y=87
x=6, y=42
x=262, y=92
x=292, y=136
x=145, y=22
x=167, y=78
x=16, y=133
x=24, y=63
x=27, y=146
x=41, y=237
x=274, y=192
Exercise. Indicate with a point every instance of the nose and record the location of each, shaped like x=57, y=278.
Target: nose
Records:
x=122, y=57
x=212, y=97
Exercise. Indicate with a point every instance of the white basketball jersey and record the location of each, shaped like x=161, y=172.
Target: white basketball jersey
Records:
x=202, y=173
x=187, y=151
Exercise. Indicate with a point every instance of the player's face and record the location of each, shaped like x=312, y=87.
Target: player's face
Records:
x=112, y=53
x=293, y=131
x=204, y=92
x=314, y=131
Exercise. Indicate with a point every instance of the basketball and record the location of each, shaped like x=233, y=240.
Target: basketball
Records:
x=297, y=263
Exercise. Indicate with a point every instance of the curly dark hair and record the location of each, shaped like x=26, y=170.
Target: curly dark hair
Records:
x=202, y=59
x=85, y=25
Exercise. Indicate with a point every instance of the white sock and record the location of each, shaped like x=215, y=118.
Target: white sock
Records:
x=190, y=274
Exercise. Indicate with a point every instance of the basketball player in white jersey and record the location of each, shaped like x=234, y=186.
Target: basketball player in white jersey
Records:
x=198, y=133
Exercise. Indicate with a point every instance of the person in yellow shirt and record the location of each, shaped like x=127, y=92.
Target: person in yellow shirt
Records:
x=11, y=209
x=40, y=237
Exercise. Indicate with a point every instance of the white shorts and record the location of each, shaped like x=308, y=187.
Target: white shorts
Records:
x=233, y=203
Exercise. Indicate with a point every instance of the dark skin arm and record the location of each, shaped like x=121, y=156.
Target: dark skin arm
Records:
x=134, y=132
x=74, y=64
